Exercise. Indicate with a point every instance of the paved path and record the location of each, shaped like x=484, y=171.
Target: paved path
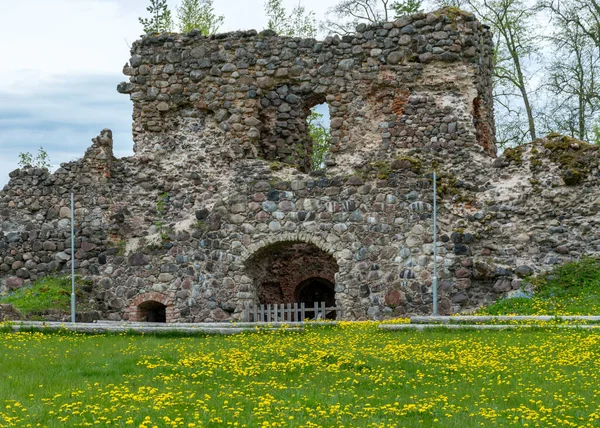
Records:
x=417, y=323
x=484, y=326
x=121, y=327
x=488, y=318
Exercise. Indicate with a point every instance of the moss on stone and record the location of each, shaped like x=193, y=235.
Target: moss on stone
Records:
x=447, y=185
x=574, y=157
x=275, y=166
x=514, y=154
x=452, y=12
x=200, y=225
x=416, y=164
x=121, y=244
x=572, y=177
x=382, y=169
x=536, y=162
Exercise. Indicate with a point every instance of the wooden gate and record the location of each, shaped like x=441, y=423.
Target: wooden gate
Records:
x=290, y=312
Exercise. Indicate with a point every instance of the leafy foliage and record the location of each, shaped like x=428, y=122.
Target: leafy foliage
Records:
x=161, y=206
x=39, y=160
x=299, y=23
x=584, y=273
x=160, y=20
x=406, y=7
x=450, y=3
x=319, y=134
x=596, y=133
x=198, y=15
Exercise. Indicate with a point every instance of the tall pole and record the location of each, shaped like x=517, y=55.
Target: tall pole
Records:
x=72, y=258
x=435, y=280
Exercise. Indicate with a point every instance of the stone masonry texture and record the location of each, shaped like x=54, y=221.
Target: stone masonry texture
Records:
x=219, y=208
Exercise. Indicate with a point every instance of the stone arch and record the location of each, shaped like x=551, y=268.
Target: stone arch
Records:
x=277, y=267
x=146, y=303
x=287, y=237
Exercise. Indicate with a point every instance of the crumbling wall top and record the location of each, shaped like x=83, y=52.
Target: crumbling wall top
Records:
x=422, y=81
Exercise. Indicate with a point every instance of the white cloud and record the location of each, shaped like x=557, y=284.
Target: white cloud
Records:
x=61, y=62
x=62, y=116
x=64, y=37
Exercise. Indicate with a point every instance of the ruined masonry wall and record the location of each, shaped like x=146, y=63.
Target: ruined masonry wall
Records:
x=217, y=208
x=423, y=80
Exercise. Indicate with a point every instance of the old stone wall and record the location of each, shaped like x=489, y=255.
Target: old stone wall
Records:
x=423, y=80
x=218, y=208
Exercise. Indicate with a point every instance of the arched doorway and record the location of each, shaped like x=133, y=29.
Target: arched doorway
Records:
x=315, y=290
x=151, y=307
x=293, y=272
x=152, y=312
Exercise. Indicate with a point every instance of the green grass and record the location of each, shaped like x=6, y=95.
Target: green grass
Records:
x=349, y=375
x=50, y=293
x=570, y=289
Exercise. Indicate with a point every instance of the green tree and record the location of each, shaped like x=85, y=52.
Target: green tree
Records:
x=198, y=15
x=278, y=19
x=450, y=3
x=596, y=133
x=160, y=20
x=298, y=23
x=574, y=82
x=406, y=7
x=318, y=132
x=39, y=160
x=584, y=14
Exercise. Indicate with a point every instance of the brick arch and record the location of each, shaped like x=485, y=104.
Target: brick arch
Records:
x=277, y=265
x=133, y=313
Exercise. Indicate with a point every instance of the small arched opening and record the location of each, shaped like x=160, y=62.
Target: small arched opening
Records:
x=151, y=307
x=316, y=290
x=152, y=311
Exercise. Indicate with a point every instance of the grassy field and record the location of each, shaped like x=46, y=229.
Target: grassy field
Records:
x=353, y=375
x=570, y=289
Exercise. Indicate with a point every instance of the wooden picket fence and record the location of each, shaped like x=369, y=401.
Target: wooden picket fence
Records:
x=290, y=312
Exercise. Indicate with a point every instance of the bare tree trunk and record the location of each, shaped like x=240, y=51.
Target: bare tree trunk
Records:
x=511, y=20
x=525, y=95
x=514, y=53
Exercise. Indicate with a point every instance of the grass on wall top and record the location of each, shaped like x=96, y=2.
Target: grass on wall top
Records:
x=49, y=293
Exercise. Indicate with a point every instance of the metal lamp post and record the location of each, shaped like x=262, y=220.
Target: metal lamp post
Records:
x=72, y=258
x=435, y=279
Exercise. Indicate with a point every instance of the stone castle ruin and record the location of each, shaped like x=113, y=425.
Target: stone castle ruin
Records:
x=219, y=208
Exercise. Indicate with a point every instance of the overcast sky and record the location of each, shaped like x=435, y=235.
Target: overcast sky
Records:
x=61, y=61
